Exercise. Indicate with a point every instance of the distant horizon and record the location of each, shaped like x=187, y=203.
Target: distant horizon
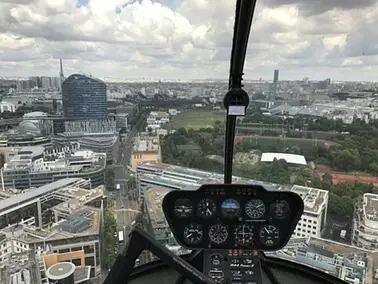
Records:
x=163, y=80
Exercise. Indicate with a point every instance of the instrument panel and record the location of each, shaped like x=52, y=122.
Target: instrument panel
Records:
x=232, y=216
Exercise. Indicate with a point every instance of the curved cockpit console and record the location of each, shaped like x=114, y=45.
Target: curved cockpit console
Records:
x=228, y=227
x=276, y=271
x=232, y=216
x=232, y=223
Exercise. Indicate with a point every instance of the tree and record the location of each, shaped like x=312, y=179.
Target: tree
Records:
x=347, y=160
x=316, y=182
x=276, y=172
x=327, y=181
x=109, y=179
x=110, y=239
x=131, y=182
x=139, y=218
x=307, y=172
x=300, y=180
x=341, y=208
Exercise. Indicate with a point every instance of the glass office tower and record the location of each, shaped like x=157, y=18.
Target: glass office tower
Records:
x=84, y=98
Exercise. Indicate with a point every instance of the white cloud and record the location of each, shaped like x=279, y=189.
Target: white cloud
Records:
x=191, y=39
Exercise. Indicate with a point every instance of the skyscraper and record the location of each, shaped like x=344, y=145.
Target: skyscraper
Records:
x=84, y=97
x=61, y=76
x=275, y=79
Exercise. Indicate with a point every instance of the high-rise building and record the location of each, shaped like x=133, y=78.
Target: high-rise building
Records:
x=61, y=75
x=84, y=97
x=365, y=222
x=275, y=79
x=314, y=217
x=46, y=82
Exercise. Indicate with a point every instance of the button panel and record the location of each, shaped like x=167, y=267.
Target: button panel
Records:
x=233, y=266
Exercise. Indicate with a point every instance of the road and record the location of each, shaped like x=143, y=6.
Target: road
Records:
x=125, y=209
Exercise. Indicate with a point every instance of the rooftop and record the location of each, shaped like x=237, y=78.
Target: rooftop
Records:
x=84, y=134
x=154, y=200
x=24, y=160
x=289, y=158
x=84, y=222
x=31, y=151
x=81, y=77
x=77, y=198
x=35, y=193
x=82, y=274
x=99, y=139
x=370, y=206
x=60, y=270
x=181, y=176
x=20, y=265
x=332, y=257
x=313, y=198
x=335, y=247
x=321, y=110
x=146, y=144
x=159, y=113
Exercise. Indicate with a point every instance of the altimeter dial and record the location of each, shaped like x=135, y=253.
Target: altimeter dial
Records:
x=206, y=207
x=255, y=208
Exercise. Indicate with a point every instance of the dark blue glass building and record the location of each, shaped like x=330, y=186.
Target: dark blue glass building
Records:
x=84, y=97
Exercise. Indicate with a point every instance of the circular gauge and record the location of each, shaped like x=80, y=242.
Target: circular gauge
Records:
x=280, y=209
x=206, y=207
x=255, y=208
x=218, y=234
x=216, y=259
x=269, y=235
x=230, y=208
x=183, y=208
x=193, y=233
x=244, y=234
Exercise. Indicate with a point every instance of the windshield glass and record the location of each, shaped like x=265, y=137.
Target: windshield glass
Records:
x=108, y=105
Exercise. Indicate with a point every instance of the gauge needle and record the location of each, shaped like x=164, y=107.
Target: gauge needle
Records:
x=188, y=236
x=208, y=211
x=266, y=229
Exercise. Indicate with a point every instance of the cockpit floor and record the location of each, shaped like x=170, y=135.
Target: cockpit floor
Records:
x=169, y=276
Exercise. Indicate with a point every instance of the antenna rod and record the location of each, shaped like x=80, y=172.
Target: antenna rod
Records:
x=243, y=21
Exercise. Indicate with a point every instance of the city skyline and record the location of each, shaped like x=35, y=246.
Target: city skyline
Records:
x=188, y=39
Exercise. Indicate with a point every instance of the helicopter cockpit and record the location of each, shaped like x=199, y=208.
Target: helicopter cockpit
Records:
x=232, y=223
x=227, y=226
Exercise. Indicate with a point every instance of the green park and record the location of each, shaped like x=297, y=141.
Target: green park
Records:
x=196, y=119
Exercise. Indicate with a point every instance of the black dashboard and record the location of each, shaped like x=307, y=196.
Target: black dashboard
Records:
x=232, y=216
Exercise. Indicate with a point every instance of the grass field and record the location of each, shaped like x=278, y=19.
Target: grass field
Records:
x=249, y=158
x=196, y=119
x=282, y=143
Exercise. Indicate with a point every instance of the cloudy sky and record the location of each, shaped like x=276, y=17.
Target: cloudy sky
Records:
x=178, y=39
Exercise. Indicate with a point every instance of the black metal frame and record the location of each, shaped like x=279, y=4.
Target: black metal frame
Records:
x=243, y=20
x=140, y=240
x=269, y=262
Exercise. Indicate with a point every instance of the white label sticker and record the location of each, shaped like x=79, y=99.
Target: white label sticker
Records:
x=236, y=110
